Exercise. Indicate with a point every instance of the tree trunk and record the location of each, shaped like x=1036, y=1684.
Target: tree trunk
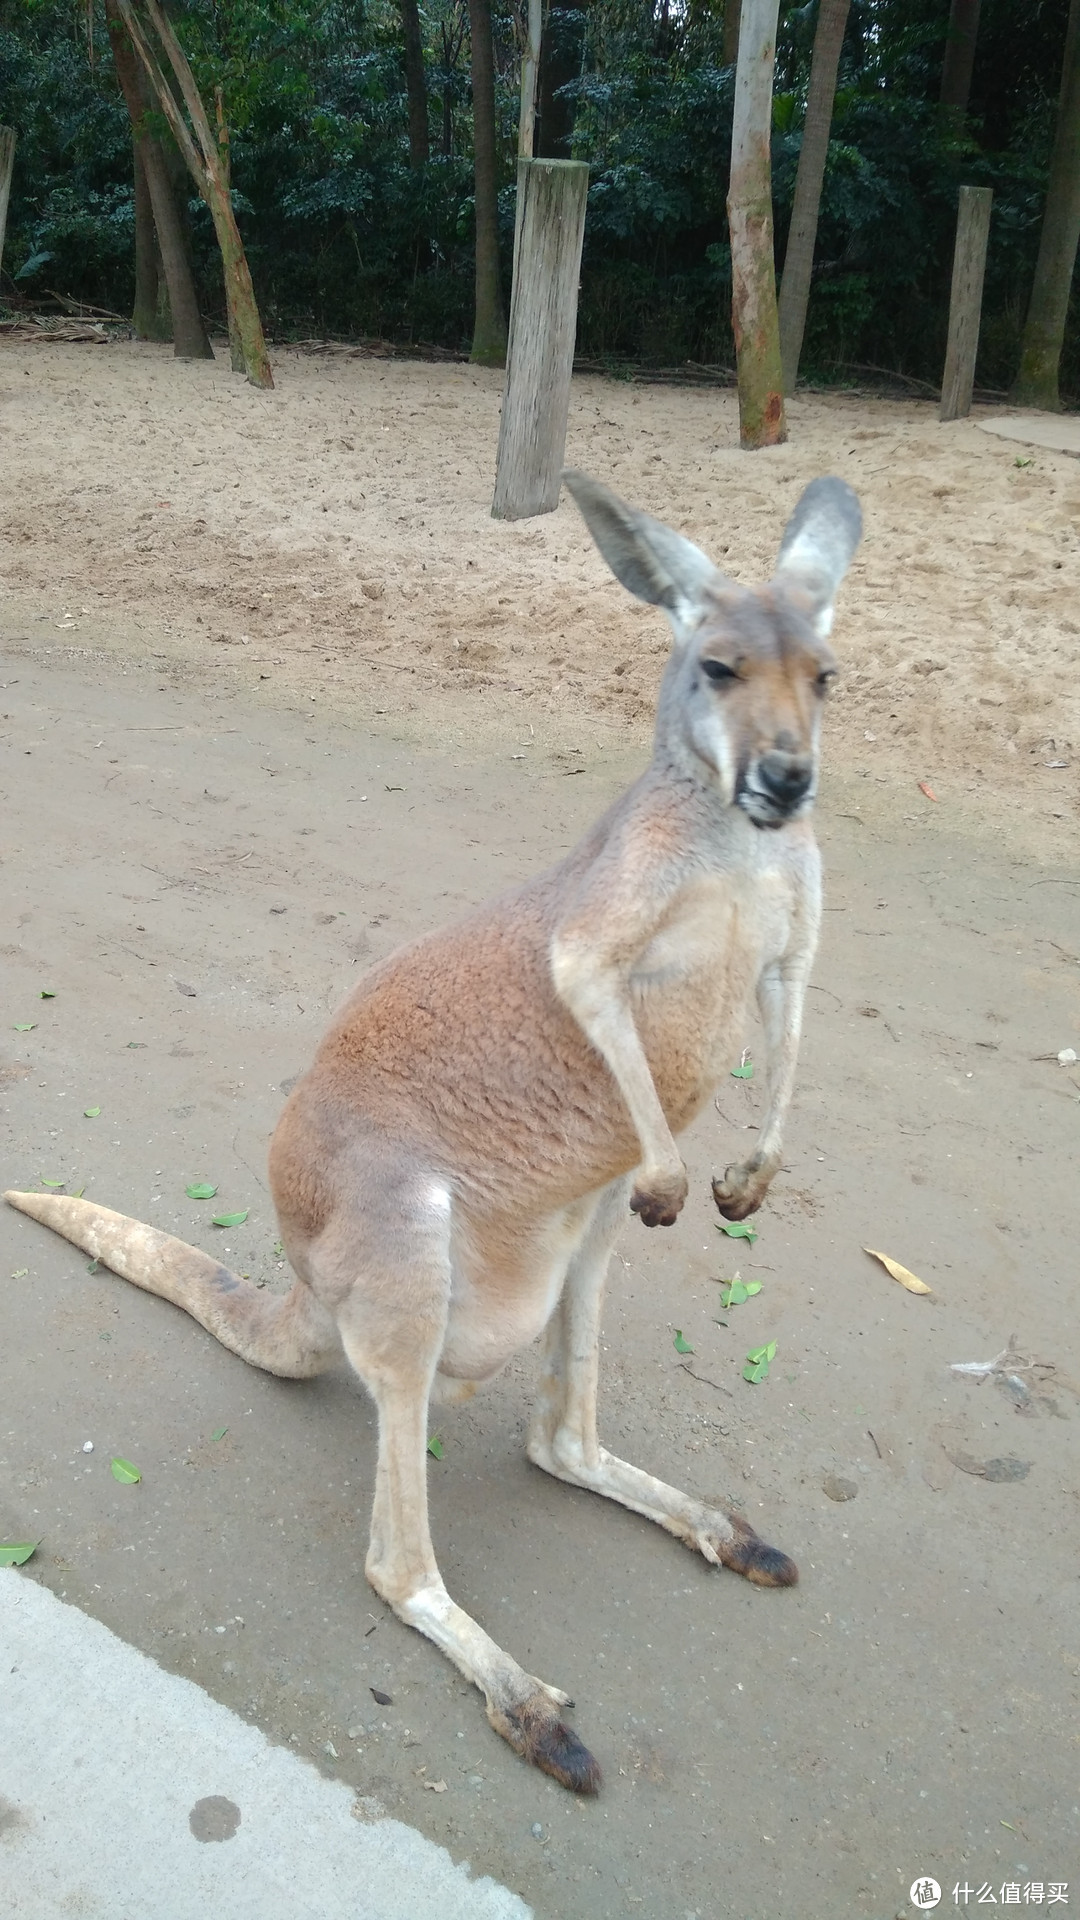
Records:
x=1044, y=332
x=732, y=10
x=560, y=65
x=959, y=57
x=753, y=280
x=530, y=70
x=204, y=158
x=151, y=316
x=7, y=168
x=489, y=329
x=189, y=336
x=419, y=145
x=236, y=345
x=802, y=235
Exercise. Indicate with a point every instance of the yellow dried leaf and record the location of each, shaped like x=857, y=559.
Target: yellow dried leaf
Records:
x=906, y=1279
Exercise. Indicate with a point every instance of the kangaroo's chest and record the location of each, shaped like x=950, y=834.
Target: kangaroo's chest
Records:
x=693, y=985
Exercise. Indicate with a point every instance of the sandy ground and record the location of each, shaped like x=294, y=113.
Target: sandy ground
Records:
x=172, y=821
x=335, y=539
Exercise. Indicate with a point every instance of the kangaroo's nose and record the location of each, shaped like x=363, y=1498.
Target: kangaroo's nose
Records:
x=786, y=777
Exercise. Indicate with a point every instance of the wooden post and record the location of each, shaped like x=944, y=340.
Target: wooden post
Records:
x=965, y=301
x=7, y=168
x=543, y=328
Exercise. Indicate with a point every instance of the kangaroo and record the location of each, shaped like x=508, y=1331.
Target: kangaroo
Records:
x=451, y=1173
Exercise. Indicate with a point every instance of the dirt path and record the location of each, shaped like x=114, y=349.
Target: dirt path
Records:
x=196, y=862
x=767, y=1755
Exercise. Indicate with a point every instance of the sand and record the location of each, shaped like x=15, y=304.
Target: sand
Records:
x=332, y=540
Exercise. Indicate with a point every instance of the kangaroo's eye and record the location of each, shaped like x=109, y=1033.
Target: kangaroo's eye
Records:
x=716, y=670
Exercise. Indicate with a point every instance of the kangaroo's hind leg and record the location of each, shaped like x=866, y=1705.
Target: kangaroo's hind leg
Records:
x=389, y=1265
x=563, y=1437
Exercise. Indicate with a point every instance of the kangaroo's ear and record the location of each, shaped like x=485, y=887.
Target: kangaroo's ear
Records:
x=818, y=544
x=651, y=561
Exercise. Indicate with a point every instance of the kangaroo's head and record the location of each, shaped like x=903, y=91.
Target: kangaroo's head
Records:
x=743, y=691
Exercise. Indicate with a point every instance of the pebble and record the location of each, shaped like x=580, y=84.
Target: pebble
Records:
x=838, y=1489
x=536, y=1830
x=1067, y=1057
x=88, y=1446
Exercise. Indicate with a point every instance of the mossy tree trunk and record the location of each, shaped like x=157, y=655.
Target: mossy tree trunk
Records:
x=750, y=223
x=489, y=326
x=1044, y=331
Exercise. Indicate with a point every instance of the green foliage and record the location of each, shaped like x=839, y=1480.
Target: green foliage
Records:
x=345, y=238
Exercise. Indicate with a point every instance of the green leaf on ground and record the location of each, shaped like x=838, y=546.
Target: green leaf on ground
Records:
x=136, y=1043
x=94, y=1267
x=739, y=1290
x=47, y=993
x=20, y=1273
x=42, y=1182
x=202, y=1190
x=123, y=1471
x=26, y=1026
x=757, y=1363
x=738, y=1230
x=231, y=1219
x=91, y=1113
x=681, y=1345
x=435, y=1447
x=219, y=1433
x=77, y=1193
x=745, y=1072
x=278, y=1248
x=15, y=1553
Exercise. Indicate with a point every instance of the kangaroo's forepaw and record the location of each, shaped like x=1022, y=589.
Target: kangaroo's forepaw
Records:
x=749, y=1555
x=743, y=1188
x=534, y=1730
x=658, y=1198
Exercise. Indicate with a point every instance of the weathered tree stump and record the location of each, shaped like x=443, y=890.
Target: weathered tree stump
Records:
x=543, y=328
x=965, y=301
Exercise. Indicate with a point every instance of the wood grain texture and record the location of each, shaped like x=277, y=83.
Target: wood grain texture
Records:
x=543, y=328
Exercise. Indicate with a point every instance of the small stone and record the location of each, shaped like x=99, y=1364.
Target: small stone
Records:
x=355, y=1733
x=1067, y=1057
x=536, y=1830
x=838, y=1489
x=329, y=1747
x=88, y=1446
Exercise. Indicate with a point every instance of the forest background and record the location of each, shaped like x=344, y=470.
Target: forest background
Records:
x=358, y=219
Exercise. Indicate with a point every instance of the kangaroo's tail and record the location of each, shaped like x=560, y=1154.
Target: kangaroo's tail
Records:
x=292, y=1334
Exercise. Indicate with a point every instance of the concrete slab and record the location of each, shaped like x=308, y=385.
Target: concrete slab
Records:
x=127, y=1792
x=1059, y=431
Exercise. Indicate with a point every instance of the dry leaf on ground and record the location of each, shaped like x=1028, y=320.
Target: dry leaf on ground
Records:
x=906, y=1279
